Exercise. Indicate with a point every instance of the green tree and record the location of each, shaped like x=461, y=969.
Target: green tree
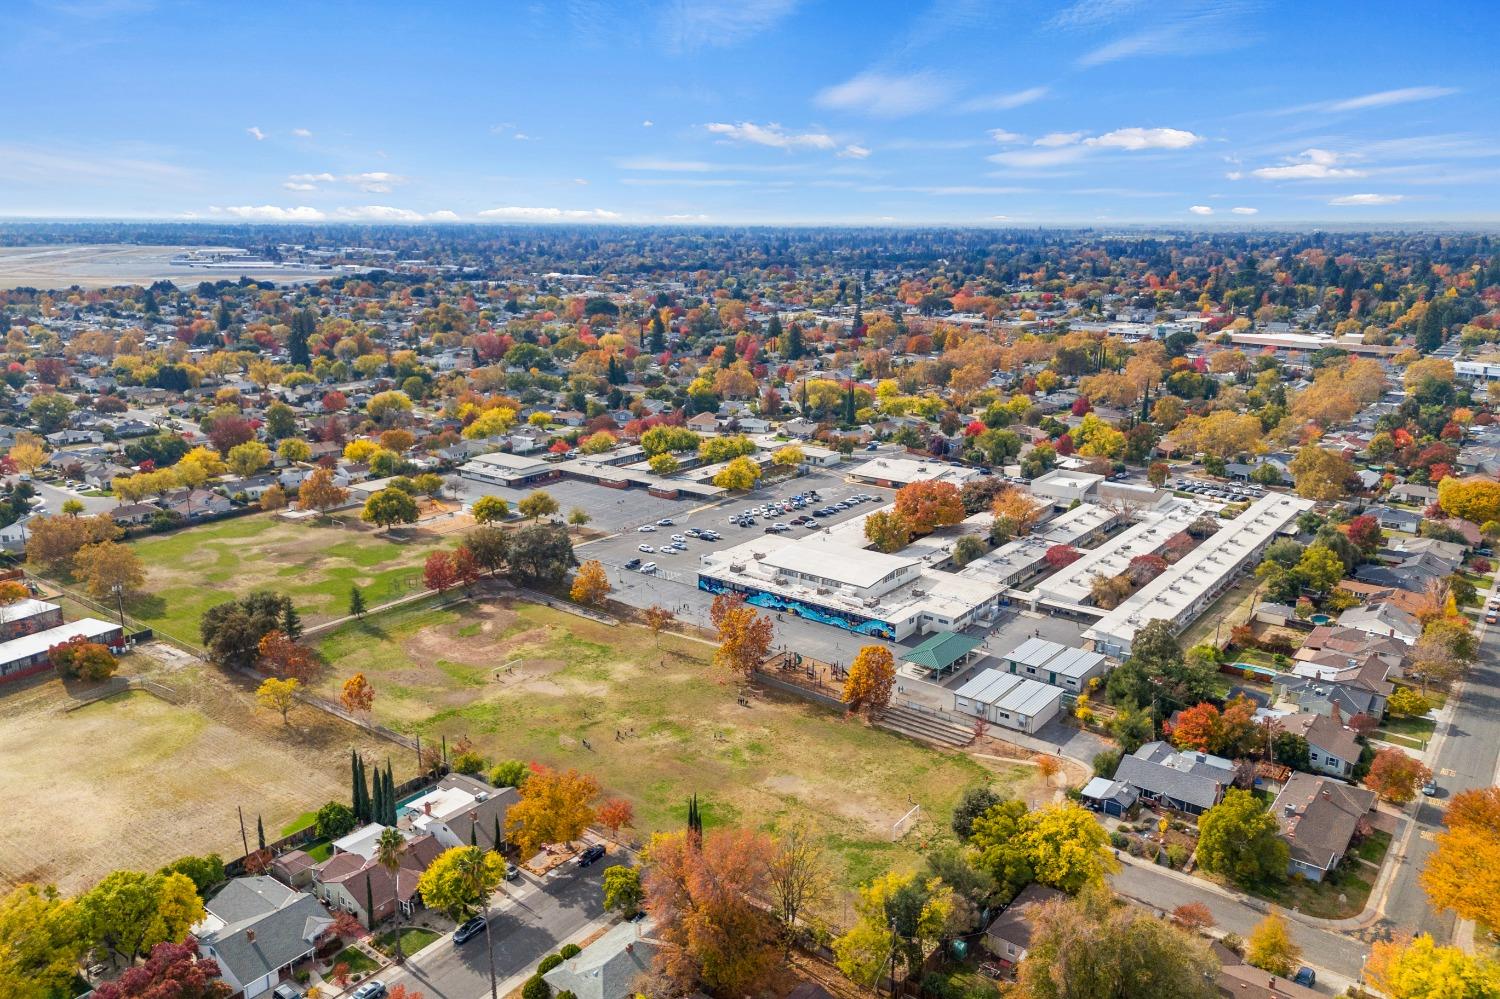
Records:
x=488, y=509
x=50, y=411
x=389, y=507
x=538, y=504
x=996, y=846
x=1239, y=839
x=356, y=602
x=205, y=872
x=1319, y=568
x=622, y=889
x=1270, y=947
x=130, y=912
x=335, y=819
x=41, y=942
x=389, y=846
x=540, y=554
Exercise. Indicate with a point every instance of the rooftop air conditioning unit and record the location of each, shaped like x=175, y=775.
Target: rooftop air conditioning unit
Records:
x=918, y=592
x=736, y=567
x=757, y=555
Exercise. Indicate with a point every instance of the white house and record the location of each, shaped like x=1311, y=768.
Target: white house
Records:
x=1009, y=701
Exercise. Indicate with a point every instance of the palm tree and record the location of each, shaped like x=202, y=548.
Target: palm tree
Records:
x=482, y=878
x=389, y=846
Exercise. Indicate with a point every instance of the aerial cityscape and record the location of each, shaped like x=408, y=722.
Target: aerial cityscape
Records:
x=758, y=500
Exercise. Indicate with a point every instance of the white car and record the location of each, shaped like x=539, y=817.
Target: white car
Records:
x=678, y=538
x=647, y=529
x=648, y=567
x=664, y=522
x=646, y=548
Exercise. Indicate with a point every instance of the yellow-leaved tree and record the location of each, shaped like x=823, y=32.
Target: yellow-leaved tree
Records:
x=871, y=678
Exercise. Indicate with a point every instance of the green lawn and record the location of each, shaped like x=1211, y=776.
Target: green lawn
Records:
x=1341, y=895
x=315, y=563
x=300, y=823
x=533, y=683
x=413, y=939
x=358, y=961
x=319, y=849
x=1373, y=847
x=1410, y=728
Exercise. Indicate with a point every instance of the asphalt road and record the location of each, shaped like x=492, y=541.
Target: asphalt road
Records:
x=1324, y=950
x=1466, y=759
x=529, y=921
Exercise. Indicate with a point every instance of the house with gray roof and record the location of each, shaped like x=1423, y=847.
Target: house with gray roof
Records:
x=1319, y=818
x=609, y=967
x=1187, y=781
x=258, y=929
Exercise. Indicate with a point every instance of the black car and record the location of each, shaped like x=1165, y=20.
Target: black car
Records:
x=469, y=930
x=634, y=563
x=593, y=853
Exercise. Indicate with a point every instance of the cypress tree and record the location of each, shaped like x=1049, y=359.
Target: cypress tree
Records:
x=291, y=621
x=498, y=839
x=474, y=835
x=390, y=799
x=369, y=900
x=377, y=806
x=356, y=602
x=658, y=333
x=260, y=832
x=794, y=348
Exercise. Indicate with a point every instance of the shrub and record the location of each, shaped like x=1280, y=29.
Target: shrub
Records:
x=1177, y=855
x=548, y=963
x=1106, y=763
x=509, y=773
x=468, y=763
x=536, y=988
x=1119, y=840
x=1234, y=942
x=569, y=950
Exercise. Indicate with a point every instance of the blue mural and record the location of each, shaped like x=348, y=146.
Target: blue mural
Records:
x=823, y=615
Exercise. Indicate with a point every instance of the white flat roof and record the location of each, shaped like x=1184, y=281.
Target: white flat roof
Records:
x=858, y=567
x=1009, y=693
x=27, y=646
x=1034, y=652
x=1073, y=582
x=906, y=470
x=1074, y=662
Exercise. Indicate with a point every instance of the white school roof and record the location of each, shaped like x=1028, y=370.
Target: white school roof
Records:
x=1010, y=693
x=1074, y=662
x=1034, y=652
x=27, y=646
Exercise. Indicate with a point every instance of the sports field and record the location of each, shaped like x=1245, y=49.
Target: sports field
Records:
x=313, y=562
x=655, y=722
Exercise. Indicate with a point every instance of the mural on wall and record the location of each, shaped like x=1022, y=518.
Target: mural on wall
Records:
x=823, y=615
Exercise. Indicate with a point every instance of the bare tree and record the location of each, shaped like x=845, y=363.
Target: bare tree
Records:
x=798, y=878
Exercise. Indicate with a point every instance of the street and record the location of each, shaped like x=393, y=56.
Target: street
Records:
x=531, y=919
x=1466, y=759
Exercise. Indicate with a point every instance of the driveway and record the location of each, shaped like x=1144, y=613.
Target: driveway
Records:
x=530, y=920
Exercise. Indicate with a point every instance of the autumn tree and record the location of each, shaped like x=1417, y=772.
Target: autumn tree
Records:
x=744, y=635
x=870, y=680
x=1270, y=947
x=1320, y=474
x=1463, y=873
x=1193, y=916
x=83, y=659
x=538, y=504
x=319, y=492
x=1197, y=727
x=41, y=942
x=738, y=475
x=105, y=565
x=622, y=890
x=278, y=695
x=928, y=505
x=389, y=507
x=887, y=530
x=615, y=814
x=700, y=896
x=1017, y=509
x=285, y=657
x=555, y=806
x=54, y=542
x=658, y=619
x=1395, y=776
x=357, y=695
x=1475, y=499
x=130, y=912
x=590, y=584
x=489, y=509
x=438, y=572
x=1417, y=968
x=171, y=971
x=798, y=877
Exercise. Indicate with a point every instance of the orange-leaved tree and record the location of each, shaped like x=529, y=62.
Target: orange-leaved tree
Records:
x=744, y=635
x=926, y=506
x=590, y=584
x=871, y=678
x=555, y=806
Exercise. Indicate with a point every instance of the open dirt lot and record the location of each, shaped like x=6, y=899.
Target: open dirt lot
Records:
x=134, y=781
x=107, y=265
x=655, y=722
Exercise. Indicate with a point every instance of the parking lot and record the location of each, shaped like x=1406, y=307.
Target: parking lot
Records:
x=1231, y=491
x=609, y=510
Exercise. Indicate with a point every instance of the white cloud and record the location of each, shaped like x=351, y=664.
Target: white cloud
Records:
x=1244, y=211
x=297, y=185
x=692, y=24
x=886, y=96
x=665, y=166
x=1201, y=210
x=1004, y=102
x=516, y=213
x=1145, y=138
x=853, y=152
x=302, y=133
x=1003, y=137
x=379, y=213
x=1380, y=99
x=685, y=217
x=270, y=213
x=1025, y=158
x=1093, y=13
x=373, y=182
x=255, y=133
x=1052, y=139
x=1310, y=164
x=580, y=181
x=647, y=123
x=443, y=216
x=771, y=134
x=1368, y=199
x=1235, y=174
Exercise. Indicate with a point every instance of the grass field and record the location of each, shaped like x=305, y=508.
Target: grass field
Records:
x=315, y=564
x=134, y=781
x=529, y=682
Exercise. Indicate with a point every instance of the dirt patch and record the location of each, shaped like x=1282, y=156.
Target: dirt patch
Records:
x=474, y=639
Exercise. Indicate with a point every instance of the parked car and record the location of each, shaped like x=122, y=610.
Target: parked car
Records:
x=634, y=563
x=1306, y=976
x=287, y=990
x=645, y=548
x=692, y=532
x=678, y=538
x=664, y=522
x=373, y=989
x=1430, y=788
x=592, y=853
x=512, y=872
x=647, y=529
x=468, y=930
x=648, y=568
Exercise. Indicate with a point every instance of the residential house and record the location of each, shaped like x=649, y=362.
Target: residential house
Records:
x=257, y=929
x=610, y=967
x=1383, y=619
x=1319, y=818
x=1416, y=573
x=1238, y=980
x=191, y=504
x=1187, y=781
x=294, y=868
x=1112, y=797
x=460, y=809
x=1394, y=519
x=1332, y=747
x=703, y=423
x=355, y=882
x=1413, y=493
x=1008, y=936
x=799, y=427
x=134, y=514
x=1327, y=696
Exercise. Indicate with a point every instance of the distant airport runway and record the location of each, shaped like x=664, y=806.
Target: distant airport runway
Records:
x=103, y=266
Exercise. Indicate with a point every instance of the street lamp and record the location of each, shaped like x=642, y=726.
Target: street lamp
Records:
x=119, y=591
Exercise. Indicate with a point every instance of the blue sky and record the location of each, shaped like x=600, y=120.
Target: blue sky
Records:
x=1217, y=112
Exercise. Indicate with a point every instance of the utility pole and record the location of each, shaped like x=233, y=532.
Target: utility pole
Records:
x=244, y=840
x=119, y=592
